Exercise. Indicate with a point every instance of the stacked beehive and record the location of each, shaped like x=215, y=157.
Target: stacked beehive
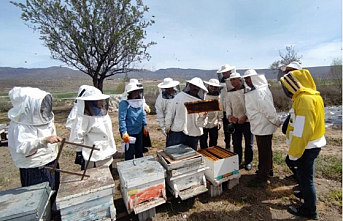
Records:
x=223, y=165
x=87, y=199
x=142, y=185
x=185, y=171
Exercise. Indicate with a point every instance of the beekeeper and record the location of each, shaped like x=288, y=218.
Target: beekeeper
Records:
x=214, y=119
x=132, y=121
x=236, y=114
x=183, y=128
x=32, y=139
x=93, y=126
x=264, y=121
x=223, y=76
x=138, y=84
x=168, y=90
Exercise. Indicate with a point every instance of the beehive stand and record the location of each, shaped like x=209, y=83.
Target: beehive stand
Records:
x=222, y=166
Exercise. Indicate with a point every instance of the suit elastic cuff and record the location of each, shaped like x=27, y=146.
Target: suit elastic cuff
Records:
x=293, y=158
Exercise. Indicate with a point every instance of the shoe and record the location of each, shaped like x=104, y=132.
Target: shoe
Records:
x=299, y=211
x=248, y=166
x=145, y=150
x=298, y=194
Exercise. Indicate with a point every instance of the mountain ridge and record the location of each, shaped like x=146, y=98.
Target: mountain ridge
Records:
x=176, y=73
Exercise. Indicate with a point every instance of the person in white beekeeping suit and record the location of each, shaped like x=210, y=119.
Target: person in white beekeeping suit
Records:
x=168, y=90
x=32, y=139
x=223, y=76
x=214, y=120
x=83, y=91
x=132, y=121
x=93, y=126
x=264, y=121
x=183, y=128
x=138, y=84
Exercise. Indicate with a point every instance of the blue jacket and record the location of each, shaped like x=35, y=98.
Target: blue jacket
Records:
x=131, y=120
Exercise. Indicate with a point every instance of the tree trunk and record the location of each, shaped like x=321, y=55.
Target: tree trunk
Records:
x=98, y=83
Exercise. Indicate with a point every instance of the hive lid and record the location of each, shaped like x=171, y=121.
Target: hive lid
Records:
x=179, y=151
x=24, y=203
x=140, y=171
x=72, y=187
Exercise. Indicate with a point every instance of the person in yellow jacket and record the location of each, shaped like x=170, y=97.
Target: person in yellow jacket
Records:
x=305, y=135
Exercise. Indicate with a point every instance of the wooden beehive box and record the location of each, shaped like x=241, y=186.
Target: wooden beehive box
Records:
x=142, y=183
x=222, y=164
x=26, y=203
x=87, y=199
x=185, y=176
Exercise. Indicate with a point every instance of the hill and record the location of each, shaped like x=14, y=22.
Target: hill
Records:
x=177, y=73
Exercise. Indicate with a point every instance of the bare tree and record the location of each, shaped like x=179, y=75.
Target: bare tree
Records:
x=336, y=72
x=100, y=38
x=286, y=58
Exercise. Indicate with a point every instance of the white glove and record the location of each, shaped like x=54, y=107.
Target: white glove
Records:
x=163, y=129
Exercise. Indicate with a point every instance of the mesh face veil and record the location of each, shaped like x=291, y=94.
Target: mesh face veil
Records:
x=96, y=107
x=170, y=93
x=46, y=108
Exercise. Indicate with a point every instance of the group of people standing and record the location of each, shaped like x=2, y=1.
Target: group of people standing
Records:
x=247, y=111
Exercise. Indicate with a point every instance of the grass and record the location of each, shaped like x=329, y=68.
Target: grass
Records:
x=335, y=197
x=279, y=158
x=329, y=167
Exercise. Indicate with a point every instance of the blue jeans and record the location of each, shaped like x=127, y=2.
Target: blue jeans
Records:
x=175, y=138
x=209, y=132
x=305, y=173
x=135, y=150
x=237, y=136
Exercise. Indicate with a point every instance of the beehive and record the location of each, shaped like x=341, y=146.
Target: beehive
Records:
x=222, y=164
x=26, y=203
x=87, y=199
x=142, y=184
x=185, y=176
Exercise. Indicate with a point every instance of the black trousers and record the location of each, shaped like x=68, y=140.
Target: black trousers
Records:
x=209, y=132
x=237, y=136
x=227, y=135
x=265, y=155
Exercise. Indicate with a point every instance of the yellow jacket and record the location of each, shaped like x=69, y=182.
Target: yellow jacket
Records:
x=306, y=127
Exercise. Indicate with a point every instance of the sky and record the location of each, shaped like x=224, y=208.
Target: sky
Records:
x=203, y=34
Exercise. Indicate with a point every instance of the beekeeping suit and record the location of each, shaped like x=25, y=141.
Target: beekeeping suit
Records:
x=84, y=90
x=214, y=118
x=178, y=119
x=32, y=121
x=93, y=125
x=306, y=127
x=164, y=99
x=259, y=106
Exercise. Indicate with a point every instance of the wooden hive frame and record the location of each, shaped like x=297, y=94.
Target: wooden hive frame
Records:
x=202, y=106
x=54, y=168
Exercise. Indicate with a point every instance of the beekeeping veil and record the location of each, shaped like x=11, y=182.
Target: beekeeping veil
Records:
x=31, y=106
x=84, y=91
x=167, y=85
x=215, y=89
x=199, y=84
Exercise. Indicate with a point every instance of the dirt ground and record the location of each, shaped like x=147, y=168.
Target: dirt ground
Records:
x=240, y=203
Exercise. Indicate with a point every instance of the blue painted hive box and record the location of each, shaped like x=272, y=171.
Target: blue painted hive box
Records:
x=26, y=203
